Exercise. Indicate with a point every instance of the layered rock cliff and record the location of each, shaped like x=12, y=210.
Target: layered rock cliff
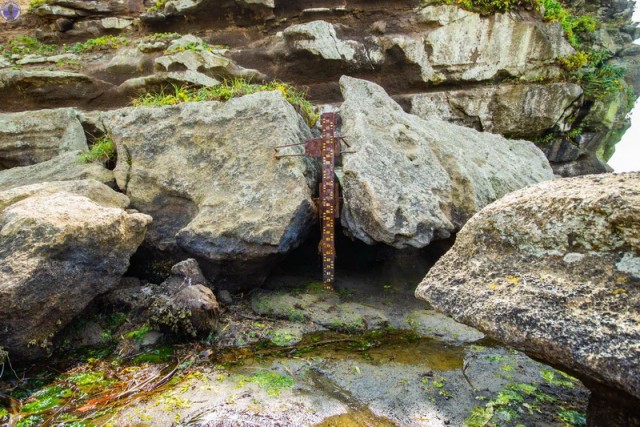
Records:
x=557, y=78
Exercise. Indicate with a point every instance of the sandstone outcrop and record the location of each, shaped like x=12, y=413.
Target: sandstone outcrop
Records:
x=411, y=180
x=553, y=270
x=37, y=136
x=515, y=111
x=61, y=245
x=65, y=167
x=207, y=174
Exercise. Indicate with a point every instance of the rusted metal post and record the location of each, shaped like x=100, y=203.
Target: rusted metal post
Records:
x=328, y=150
x=328, y=200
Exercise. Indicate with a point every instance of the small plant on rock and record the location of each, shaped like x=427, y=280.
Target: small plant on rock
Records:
x=103, y=151
x=24, y=45
x=158, y=6
x=37, y=3
x=100, y=43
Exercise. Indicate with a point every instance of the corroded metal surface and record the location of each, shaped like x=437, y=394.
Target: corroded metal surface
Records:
x=328, y=199
x=326, y=148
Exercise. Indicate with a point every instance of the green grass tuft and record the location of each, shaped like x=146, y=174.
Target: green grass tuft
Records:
x=102, y=151
x=227, y=90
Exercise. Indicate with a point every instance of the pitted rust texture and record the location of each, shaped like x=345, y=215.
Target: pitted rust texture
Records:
x=326, y=148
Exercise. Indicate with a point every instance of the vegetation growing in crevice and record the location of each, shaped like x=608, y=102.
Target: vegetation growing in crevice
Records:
x=102, y=151
x=575, y=27
x=227, y=90
x=570, y=136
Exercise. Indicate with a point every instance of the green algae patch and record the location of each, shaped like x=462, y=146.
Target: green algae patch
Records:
x=272, y=382
x=45, y=399
x=157, y=355
x=89, y=381
x=31, y=421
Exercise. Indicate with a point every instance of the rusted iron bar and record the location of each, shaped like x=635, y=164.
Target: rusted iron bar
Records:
x=328, y=199
x=326, y=148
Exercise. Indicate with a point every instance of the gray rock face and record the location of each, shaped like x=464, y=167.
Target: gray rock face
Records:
x=58, y=250
x=37, y=136
x=549, y=270
x=319, y=38
x=207, y=174
x=472, y=47
x=413, y=180
x=201, y=60
x=65, y=167
x=513, y=110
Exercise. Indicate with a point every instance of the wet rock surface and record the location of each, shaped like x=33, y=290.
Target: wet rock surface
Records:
x=555, y=264
x=292, y=371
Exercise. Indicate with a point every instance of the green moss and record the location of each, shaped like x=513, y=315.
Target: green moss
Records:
x=103, y=151
x=572, y=418
x=227, y=90
x=138, y=334
x=558, y=378
x=3, y=412
x=575, y=62
x=157, y=355
x=31, y=421
x=272, y=382
x=296, y=316
x=37, y=3
x=46, y=399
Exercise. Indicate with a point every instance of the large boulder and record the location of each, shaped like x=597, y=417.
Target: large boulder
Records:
x=61, y=245
x=65, y=167
x=207, y=174
x=554, y=270
x=412, y=180
x=37, y=136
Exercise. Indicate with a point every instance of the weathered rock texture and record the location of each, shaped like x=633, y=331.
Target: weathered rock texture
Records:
x=499, y=72
x=554, y=270
x=37, y=136
x=207, y=174
x=61, y=244
x=413, y=180
x=65, y=167
x=511, y=110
